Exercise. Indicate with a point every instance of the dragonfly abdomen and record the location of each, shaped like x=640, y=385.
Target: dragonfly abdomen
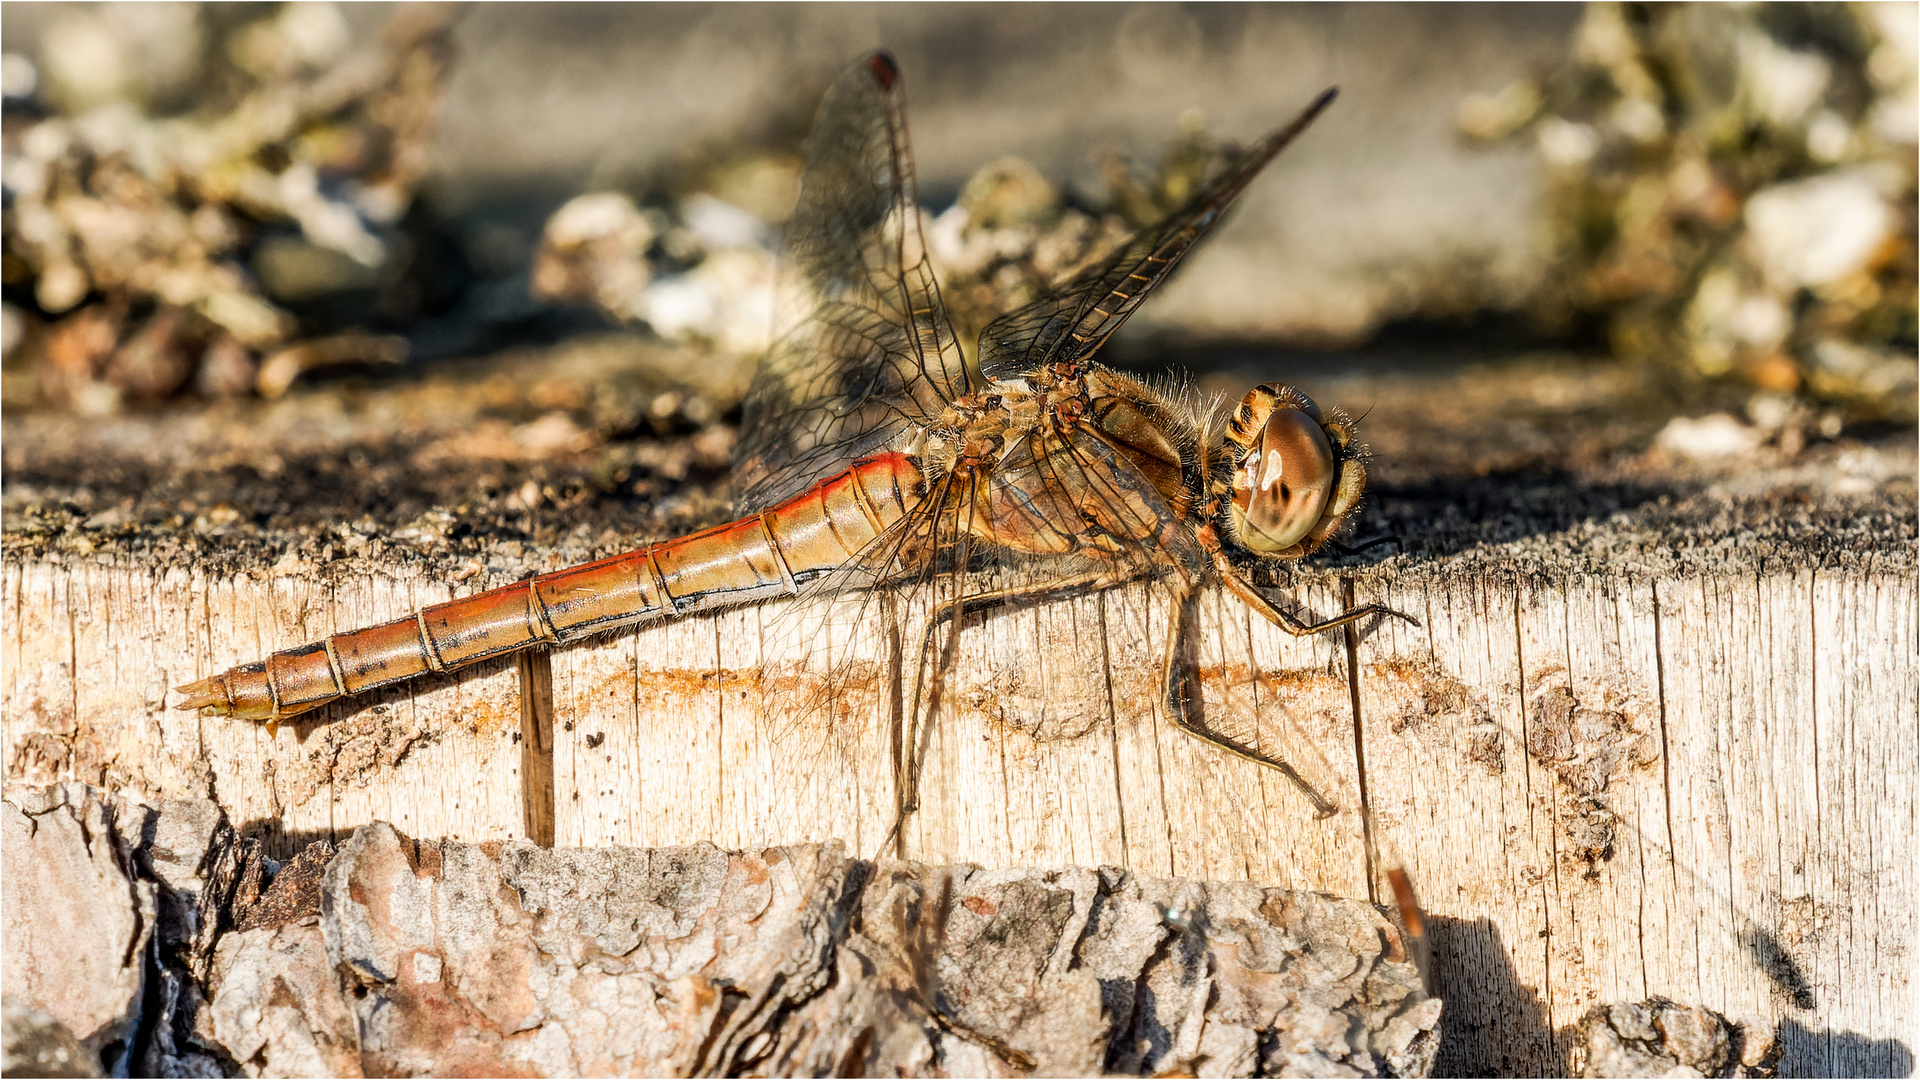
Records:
x=754, y=558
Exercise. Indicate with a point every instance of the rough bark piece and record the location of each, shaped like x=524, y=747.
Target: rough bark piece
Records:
x=1659, y=1038
x=277, y=1008
x=78, y=919
x=619, y=961
x=402, y=956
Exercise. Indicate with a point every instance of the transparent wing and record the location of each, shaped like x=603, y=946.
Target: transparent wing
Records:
x=863, y=346
x=986, y=551
x=1070, y=325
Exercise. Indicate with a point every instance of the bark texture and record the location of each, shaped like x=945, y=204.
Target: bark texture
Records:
x=78, y=920
x=1659, y=1038
x=397, y=956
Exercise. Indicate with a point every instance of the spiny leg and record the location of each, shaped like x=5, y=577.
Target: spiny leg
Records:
x=1304, y=629
x=1253, y=599
x=919, y=733
x=955, y=613
x=1047, y=590
x=1369, y=545
x=1173, y=687
x=1173, y=681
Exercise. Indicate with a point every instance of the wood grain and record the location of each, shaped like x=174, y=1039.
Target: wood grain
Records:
x=1747, y=812
x=94, y=646
x=1604, y=789
x=1655, y=733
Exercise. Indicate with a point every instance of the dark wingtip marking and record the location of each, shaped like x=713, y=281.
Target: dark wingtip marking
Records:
x=1319, y=105
x=885, y=71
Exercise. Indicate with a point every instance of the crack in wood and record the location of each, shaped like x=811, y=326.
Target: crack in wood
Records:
x=1350, y=638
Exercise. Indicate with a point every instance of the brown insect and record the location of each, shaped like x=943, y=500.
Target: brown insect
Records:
x=876, y=454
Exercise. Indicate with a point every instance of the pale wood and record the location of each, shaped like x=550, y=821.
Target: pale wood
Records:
x=1775, y=830
x=1763, y=856
x=93, y=646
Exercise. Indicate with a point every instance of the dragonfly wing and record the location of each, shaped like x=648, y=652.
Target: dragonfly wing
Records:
x=862, y=347
x=1068, y=326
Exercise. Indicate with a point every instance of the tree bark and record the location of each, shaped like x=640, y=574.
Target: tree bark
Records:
x=396, y=956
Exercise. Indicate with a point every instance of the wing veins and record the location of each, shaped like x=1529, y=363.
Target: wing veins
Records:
x=864, y=322
x=1094, y=304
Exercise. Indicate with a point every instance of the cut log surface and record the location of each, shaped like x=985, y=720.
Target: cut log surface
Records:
x=1653, y=737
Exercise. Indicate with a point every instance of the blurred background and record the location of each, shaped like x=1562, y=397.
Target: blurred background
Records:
x=571, y=214
x=1729, y=189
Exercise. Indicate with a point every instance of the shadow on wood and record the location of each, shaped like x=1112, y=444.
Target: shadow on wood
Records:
x=1493, y=1026
x=1811, y=1052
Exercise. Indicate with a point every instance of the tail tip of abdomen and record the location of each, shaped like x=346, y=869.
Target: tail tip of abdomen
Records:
x=210, y=693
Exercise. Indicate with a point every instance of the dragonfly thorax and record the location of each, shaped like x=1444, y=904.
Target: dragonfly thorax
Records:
x=977, y=429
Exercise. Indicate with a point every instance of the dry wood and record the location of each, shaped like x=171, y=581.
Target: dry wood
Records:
x=93, y=648
x=1655, y=735
x=1699, y=789
x=1604, y=790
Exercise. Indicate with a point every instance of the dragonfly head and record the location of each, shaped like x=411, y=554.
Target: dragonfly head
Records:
x=1296, y=473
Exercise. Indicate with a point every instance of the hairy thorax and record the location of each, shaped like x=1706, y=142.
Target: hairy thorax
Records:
x=1058, y=462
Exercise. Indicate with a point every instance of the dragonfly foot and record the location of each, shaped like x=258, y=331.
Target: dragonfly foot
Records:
x=1342, y=549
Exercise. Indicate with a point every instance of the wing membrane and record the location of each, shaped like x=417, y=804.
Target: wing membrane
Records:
x=863, y=347
x=1075, y=321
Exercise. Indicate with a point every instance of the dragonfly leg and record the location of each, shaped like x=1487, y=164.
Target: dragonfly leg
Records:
x=1173, y=691
x=1046, y=590
x=909, y=801
x=1252, y=597
x=1369, y=545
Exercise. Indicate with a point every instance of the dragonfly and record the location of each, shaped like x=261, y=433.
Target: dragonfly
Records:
x=877, y=453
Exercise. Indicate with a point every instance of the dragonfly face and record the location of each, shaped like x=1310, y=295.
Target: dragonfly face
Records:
x=1296, y=473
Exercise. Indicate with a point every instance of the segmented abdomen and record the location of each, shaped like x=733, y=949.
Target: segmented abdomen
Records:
x=740, y=562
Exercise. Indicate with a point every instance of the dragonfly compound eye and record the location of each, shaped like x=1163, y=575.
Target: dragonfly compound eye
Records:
x=1293, y=479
